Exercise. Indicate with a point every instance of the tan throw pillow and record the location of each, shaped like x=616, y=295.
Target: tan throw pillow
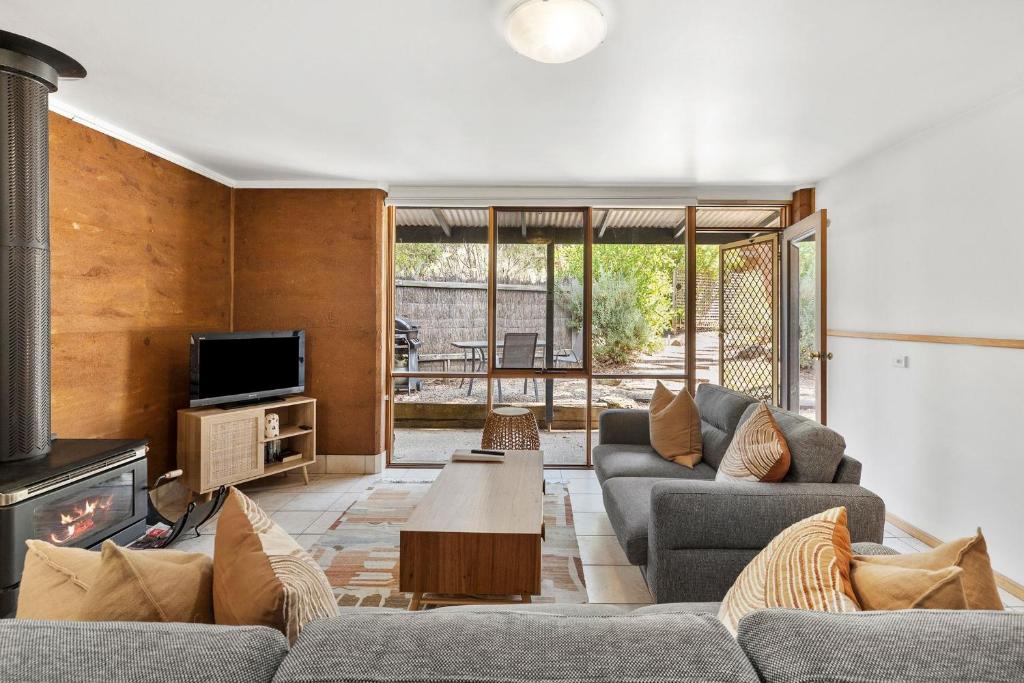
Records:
x=150, y=585
x=807, y=566
x=758, y=451
x=969, y=553
x=887, y=587
x=261, y=576
x=54, y=581
x=675, y=426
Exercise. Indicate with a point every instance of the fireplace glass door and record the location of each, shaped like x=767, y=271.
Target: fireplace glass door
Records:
x=75, y=518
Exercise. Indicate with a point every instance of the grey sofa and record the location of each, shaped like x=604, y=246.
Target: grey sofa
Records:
x=693, y=535
x=588, y=643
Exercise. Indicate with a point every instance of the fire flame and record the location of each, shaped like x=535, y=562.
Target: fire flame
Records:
x=80, y=519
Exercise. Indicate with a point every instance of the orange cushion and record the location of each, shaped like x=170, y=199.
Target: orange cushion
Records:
x=889, y=587
x=54, y=581
x=969, y=553
x=261, y=576
x=675, y=426
x=150, y=585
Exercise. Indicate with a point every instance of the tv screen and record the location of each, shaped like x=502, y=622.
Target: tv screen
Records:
x=245, y=366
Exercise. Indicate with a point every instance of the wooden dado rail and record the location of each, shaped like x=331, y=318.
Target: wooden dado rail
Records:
x=932, y=339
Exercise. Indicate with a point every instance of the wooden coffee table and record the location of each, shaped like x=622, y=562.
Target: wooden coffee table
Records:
x=475, y=537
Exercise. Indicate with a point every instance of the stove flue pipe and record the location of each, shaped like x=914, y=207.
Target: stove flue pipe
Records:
x=29, y=72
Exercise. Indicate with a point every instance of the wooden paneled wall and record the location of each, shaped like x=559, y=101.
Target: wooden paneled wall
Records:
x=314, y=259
x=140, y=258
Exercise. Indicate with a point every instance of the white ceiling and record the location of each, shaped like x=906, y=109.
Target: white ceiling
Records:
x=427, y=91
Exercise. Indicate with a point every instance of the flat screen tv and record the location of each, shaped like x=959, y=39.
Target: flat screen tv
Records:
x=237, y=367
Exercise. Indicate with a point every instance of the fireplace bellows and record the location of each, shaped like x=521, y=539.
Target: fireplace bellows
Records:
x=29, y=71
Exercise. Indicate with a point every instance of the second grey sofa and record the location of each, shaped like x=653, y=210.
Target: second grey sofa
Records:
x=566, y=643
x=694, y=535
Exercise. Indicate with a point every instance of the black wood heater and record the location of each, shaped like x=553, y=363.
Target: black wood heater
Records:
x=70, y=492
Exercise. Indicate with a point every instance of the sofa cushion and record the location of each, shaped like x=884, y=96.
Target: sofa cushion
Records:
x=55, y=580
x=151, y=652
x=150, y=585
x=815, y=450
x=627, y=500
x=805, y=566
x=885, y=587
x=758, y=451
x=623, y=460
x=720, y=413
x=970, y=554
x=675, y=426
x=261, y=575
x=443, y=645
x=910, y=645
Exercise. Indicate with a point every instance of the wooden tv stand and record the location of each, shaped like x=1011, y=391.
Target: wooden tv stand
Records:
x=224, y=446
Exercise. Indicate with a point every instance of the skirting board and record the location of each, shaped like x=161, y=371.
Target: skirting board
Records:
x=1006, y=583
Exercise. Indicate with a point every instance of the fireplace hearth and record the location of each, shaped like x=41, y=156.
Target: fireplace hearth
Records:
x=69, y=492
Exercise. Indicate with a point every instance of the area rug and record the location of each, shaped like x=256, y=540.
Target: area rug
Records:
x=359, y=553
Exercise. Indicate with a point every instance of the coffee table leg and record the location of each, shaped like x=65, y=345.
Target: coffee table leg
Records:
x=527, y=597
x=414, y=603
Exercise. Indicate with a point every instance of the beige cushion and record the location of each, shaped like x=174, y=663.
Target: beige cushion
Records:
x=675, y=426
x=807, y=566
x=758, y=451
x=150, y=585
x=261, y=576
x=969, y=553
x=54, y=581
x=885, y=587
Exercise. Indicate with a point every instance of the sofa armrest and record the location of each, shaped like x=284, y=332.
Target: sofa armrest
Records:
x=625, y=426
x=747, y=515
x=848, y=471
x=702, y=534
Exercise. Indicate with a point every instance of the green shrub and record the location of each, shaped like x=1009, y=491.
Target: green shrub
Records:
x=620, y=331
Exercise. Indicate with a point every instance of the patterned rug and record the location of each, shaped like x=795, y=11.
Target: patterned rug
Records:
x=359, y=553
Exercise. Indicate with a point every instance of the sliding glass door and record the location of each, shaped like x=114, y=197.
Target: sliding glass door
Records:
x=571, y=311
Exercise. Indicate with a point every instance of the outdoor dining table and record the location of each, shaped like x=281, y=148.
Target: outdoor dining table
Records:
x=474, y=347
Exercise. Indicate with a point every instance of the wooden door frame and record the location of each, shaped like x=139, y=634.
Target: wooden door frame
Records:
x=816, y=224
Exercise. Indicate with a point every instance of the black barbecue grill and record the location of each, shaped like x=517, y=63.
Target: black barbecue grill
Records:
x=407, y=354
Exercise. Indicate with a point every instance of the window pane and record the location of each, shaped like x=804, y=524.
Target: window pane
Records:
x=639, y=291
x=434, y=417
x=441, y=288
x=539, y=289
x=563, y=432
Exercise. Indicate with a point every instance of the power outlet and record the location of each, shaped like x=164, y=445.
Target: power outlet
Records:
x=901, y=361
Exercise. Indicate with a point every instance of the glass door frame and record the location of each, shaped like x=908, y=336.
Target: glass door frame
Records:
x=815, y=224
x=585, y=372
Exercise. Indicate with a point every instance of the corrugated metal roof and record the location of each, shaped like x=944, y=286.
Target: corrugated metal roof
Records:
x=724, y=217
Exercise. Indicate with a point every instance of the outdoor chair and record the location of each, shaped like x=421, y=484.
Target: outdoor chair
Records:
x=573, y=356
x=519, y=351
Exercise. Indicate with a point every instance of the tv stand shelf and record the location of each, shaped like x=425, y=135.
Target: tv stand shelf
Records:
x=225, y=446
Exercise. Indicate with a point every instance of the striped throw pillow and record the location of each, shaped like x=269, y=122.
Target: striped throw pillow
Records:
x=261, y=576
x=758, y=451
x=807, y=566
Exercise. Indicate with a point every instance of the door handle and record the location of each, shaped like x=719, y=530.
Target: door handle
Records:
x=817, y=356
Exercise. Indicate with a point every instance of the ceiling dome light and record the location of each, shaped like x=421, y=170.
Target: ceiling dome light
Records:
x=555, y=31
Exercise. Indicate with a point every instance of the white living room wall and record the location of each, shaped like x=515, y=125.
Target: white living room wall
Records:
x=927, y=237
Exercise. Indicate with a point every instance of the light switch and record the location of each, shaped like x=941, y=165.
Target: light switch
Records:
x=901, y=361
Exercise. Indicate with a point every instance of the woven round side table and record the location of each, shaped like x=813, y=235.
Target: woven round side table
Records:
x=511, y=429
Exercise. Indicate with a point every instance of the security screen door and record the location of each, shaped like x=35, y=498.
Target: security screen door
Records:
x=749, y=316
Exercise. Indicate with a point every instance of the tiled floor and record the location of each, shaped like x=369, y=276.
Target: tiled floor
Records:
x=307, y=511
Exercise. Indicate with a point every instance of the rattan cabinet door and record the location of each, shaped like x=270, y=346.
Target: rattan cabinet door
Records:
x=232, y=448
